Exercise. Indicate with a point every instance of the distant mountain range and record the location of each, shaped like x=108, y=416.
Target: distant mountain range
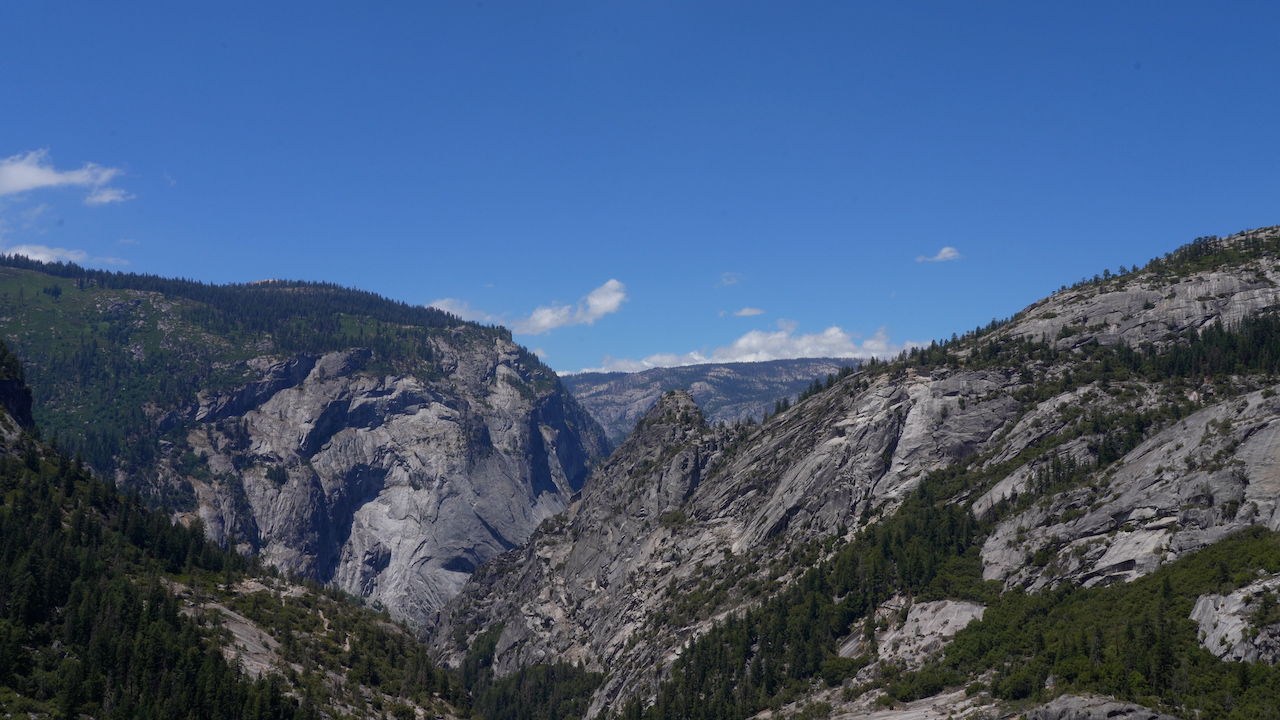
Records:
x=724, y=391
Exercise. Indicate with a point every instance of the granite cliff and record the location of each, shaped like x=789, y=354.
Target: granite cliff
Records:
x=385, y=449
x=392, y=487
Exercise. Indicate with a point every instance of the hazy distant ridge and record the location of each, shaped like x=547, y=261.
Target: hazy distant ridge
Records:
x=724, y=391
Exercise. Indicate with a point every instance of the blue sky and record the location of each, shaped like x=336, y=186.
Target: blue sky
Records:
x=619, y=181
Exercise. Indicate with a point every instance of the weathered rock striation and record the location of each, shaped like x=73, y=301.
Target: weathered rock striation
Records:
x=1088, y=707
x=686, y=510
x=393, y=487
x=1239, y=626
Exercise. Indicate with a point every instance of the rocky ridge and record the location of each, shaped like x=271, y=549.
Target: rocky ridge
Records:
x=684, y=510
x=726, y=392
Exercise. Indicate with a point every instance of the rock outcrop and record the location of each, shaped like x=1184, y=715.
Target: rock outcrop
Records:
x=914, y=632
x=1241, y=626
x=685, y=509
x=392, y=487
x=1211, y=474
x=1089, y=707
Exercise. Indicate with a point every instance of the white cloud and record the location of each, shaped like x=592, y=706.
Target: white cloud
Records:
x=44, y=253
x=604, y=300
x=946, y=253
x=32, y=214
x=759, y=345
x=748, y=312
x=539, y=352
x=463, y=310
x=34, y=171
x=104, y=195
x=729, y=278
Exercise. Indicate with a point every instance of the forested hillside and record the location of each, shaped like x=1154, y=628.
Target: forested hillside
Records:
x=103, y=347
x=110, y=610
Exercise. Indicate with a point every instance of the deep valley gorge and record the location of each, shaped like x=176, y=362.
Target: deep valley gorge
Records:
x=347, y=506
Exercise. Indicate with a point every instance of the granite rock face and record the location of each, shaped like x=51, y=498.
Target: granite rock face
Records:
x=1213, y=473
x=391, y=487
x=683, y=506
x=914, y=632
x=1090, y=707
x=1230, y=627
x=682, y=502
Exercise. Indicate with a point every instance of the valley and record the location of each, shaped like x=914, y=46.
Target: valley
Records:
x=1070, y=512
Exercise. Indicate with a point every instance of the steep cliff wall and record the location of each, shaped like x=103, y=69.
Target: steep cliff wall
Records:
x=383, y=448
x=393, y=487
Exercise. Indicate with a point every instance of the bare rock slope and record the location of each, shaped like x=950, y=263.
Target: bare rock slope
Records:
x=687, y=522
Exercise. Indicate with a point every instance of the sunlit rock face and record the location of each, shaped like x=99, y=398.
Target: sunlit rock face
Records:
x=1236, y=627
x=391, y=487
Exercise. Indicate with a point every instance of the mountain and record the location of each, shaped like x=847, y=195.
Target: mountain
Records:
x=726, y=392
x=109, y=610
x=379, y=448
x=1072, y=513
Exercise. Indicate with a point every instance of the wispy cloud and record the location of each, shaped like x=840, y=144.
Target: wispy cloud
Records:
x=946, y=253
x=32, y=215
x=759, y=345
x=34, y=171
x=44, y=253
x=748, y=312
x=105, y=195
x=729, y=278
x=604, y=300
x=463, y=309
